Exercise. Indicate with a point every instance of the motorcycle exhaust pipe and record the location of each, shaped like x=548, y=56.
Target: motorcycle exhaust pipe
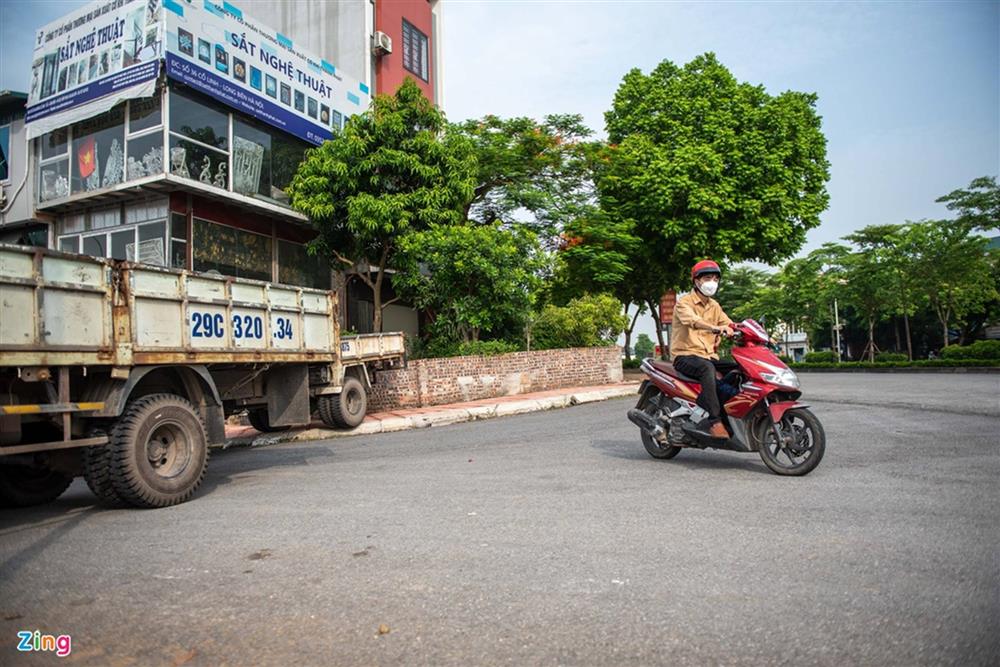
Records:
x=646, y=423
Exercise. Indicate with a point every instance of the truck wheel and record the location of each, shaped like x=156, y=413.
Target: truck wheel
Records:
x=23, y=486
x=158, y=451
x=259, y=420
x=346, y=409
x=97, y=472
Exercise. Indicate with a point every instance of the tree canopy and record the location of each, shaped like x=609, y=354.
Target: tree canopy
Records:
x=391, y=171
x=707, y=166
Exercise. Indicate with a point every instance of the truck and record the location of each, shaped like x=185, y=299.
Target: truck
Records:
x=126, y=373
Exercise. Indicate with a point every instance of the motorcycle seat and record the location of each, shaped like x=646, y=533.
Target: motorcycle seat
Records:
x=668, y=368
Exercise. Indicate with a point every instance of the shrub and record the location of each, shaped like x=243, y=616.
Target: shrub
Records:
x=437, y=348
x=825, y=357
x=590, y=321
x=787, y=359
x=890, y=356
x=920, y=363
x=631, y=363
x=981, y=349
x=487, y=348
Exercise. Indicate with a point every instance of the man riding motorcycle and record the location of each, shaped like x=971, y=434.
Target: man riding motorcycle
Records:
x=698, y=323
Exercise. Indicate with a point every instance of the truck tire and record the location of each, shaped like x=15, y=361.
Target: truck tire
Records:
x=97, y=472
x=158, y=451
x=23, y=486
x=346, y=409
x=259, y=420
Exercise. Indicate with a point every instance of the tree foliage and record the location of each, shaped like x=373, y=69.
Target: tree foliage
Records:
x=535, y=172
x=589, y=321
x=956, y=272
x=472, y=278
x=707, y=166
x=644, y=346
x=391, y=171
x=978, y=205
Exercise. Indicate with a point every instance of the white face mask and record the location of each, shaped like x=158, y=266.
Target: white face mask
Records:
x=709, y=287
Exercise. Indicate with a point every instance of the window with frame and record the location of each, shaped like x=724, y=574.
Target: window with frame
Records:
x=142, y=237
x=297, y=267
x=415, y=51
x=199, y=139
x=53, y=165
x=4, y=153
x=122, y=144
x=264, y=160
x=97, y=160
x=144, y=138
x=231, y=251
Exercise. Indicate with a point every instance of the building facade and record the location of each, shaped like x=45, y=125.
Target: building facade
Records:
x=168, y=133
x=17, y=204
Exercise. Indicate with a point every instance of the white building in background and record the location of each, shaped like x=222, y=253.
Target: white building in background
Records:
x=793, y=341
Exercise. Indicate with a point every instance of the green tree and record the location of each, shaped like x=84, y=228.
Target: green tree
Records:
x=589, y=321
x=600, y=254
x=978, y=206
x=643, y=346
x=391, y=171
x=955, y=271
x=739, y=286
x=473, y=278
x=703, y=165
x=536, y=172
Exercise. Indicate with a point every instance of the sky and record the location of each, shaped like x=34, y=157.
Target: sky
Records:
x=909, y=92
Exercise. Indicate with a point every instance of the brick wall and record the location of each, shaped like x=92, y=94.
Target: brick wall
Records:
x=455, y=379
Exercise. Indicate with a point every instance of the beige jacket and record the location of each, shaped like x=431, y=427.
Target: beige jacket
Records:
x=693, y=308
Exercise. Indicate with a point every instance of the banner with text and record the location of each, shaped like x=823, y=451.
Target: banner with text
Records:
x=107, y=47
x=219, y=50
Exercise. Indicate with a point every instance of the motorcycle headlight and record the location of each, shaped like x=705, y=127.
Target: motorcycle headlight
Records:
x=785, y=377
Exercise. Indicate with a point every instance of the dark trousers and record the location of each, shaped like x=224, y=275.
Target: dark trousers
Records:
x=703, y=370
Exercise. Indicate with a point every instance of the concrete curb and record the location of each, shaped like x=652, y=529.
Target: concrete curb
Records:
x=441, y=416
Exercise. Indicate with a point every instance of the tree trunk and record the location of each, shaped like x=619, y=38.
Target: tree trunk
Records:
x=377, y=297
x=630, y=328
x=871, y=339
x=909, y=338
x=944, y=331
x=377, y=291
x=899, y=345
x=655, y=314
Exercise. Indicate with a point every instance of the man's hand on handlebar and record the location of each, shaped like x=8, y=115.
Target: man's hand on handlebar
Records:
x=725, y=332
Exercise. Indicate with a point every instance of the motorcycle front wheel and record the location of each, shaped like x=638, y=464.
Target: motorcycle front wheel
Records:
x=801, y=446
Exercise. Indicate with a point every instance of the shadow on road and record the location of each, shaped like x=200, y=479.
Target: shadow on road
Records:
x=693, y=459
x=224, y=467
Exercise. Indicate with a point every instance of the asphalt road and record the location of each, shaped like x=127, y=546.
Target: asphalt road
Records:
x=549, y=538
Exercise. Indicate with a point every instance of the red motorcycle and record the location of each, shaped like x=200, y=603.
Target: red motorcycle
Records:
x=760, y=411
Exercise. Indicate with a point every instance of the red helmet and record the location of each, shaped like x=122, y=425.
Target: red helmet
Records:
x=703, y=267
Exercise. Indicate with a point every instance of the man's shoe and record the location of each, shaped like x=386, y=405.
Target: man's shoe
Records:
x=718, y=431
x=708, y=429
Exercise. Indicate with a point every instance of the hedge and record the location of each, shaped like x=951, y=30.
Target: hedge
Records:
x=981, y=349
x=921, y=363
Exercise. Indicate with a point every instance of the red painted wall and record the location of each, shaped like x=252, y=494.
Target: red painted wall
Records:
x=389, y=70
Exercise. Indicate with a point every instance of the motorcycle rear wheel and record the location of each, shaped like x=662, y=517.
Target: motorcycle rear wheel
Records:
x=802, y=445
x=654, y=448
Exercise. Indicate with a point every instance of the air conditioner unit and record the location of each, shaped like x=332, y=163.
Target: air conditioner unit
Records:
x=381, y=43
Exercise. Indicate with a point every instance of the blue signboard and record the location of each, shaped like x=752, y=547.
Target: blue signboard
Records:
x=219, y=50
x=221, y=89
